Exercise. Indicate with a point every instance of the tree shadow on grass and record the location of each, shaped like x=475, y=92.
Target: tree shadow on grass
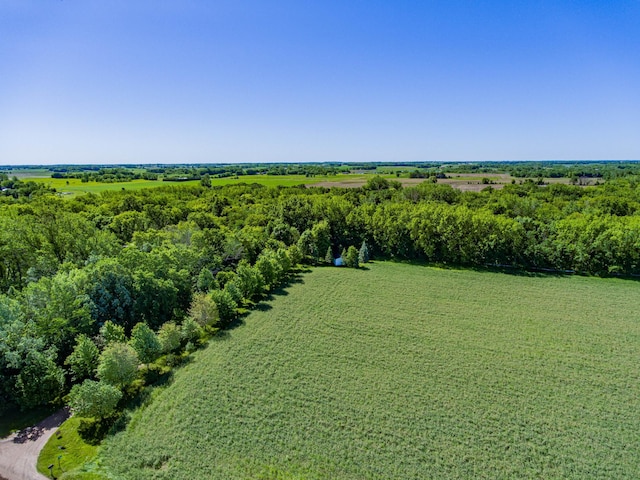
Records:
x=531, y=272
x=263, y=307
x=13, y=419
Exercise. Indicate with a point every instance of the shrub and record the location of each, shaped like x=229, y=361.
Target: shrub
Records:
x=118, y=365
x=169, y=336
x=94, y=399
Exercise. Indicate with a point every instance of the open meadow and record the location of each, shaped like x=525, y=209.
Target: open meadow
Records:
x=405, y=371
x=74, y=186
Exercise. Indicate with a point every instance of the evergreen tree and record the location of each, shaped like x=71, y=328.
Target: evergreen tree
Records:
x=351, y=258
x=328, y=258
x=363, y=256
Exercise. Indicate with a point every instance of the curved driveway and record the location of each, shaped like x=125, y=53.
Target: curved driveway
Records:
x=19, y=454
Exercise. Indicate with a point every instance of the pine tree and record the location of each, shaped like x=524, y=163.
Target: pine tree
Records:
x=363, y=256
x=329, y=256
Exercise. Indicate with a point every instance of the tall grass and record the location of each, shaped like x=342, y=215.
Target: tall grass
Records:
x=404, y=372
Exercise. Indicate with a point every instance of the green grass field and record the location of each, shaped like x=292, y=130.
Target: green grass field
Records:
x=72, y=450
x=74, y=186
x=405, y=371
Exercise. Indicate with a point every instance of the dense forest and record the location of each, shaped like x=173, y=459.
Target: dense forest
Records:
x=98, y=273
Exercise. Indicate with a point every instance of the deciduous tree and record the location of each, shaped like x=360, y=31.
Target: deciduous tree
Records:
x=94, y=399
x=83, y=361
x=118, y=365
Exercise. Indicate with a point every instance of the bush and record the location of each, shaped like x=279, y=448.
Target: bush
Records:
x=94, y=399
x=203, y=310
x=226, y=305
x=118, y=365
x=170, y=338
x=351, y=257
x=145, y=342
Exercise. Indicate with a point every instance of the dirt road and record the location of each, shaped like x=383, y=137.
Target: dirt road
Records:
x=19, y=451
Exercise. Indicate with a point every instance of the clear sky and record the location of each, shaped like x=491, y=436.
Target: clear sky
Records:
x=124, y=81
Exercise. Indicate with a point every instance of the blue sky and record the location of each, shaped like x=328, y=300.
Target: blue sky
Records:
x=258, y=81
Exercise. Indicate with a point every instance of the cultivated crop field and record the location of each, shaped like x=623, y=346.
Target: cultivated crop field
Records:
x=404, y=371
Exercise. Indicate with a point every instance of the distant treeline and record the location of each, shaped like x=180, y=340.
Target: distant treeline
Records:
x=188, y=173
x=574, y=170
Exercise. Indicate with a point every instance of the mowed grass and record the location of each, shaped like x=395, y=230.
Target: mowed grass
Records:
x=69, y=446
x=406, y=372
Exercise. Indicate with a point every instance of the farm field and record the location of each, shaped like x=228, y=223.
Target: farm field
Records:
x=464, y=182
x=405, y=371
x=461, y=181
x=74, y=186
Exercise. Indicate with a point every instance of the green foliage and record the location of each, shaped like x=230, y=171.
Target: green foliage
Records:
x=59, y=307
x=118, y=365
x=225, y=276
x=307, y=246
x=232, y=289
x=295, y=255
x=155, y=298
x=40, y=380
x=170, y=337
x=321, y=233
x=94, y=399
x=408, y=372
x=351, y=257
x=205, y=181
x=225, y=304
x=83, y=361
x=328, y=258
x=111, y=293
x=203, y=310
x=190, y=331
x=145, y=343
x=71, y=265
x=270, y=268
x=206, y=280
x=249, y=281
x=112, y=333
x=363, y=254
x=29, y=375
x=377, y=183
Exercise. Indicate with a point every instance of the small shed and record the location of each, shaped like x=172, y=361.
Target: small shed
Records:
x=338, y=262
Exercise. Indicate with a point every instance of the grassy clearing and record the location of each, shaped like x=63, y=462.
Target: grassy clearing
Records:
x=74, y=186
x=74, y=451
x=406, y=372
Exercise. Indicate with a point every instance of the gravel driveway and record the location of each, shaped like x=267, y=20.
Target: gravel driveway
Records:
x=19, y=451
